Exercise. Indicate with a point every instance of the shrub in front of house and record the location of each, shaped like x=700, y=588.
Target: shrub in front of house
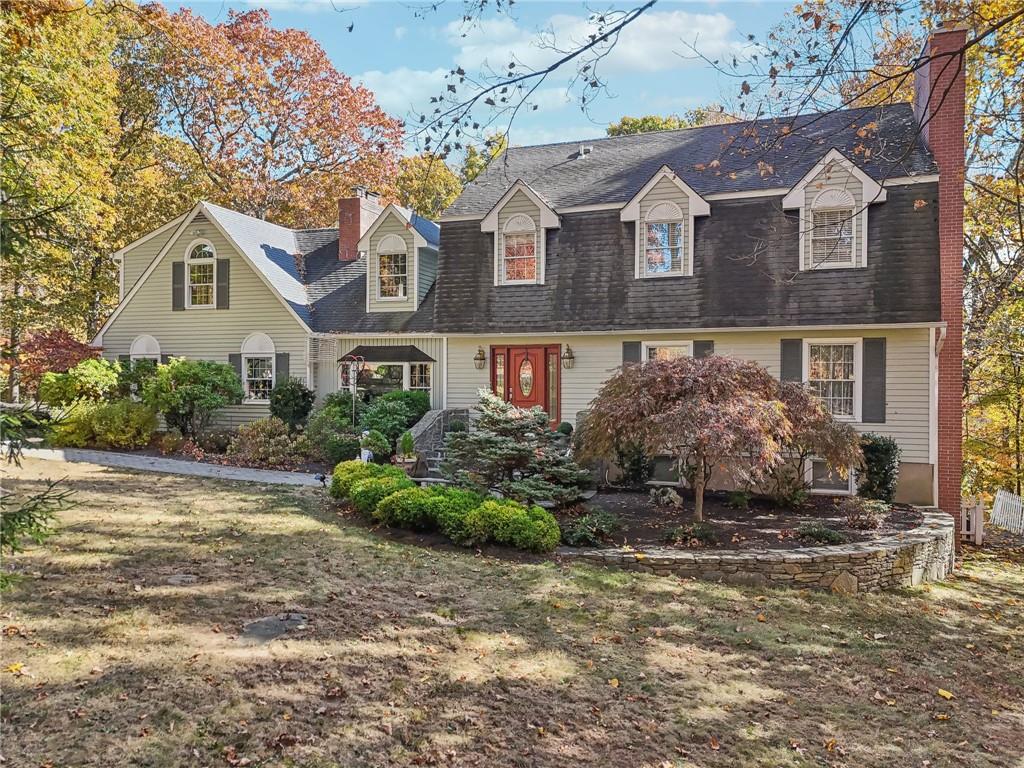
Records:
x=367, y=493
x=341, y=401
x=348, y=473
x=412, y=508
x=121, y=424
x=269, y=443
x=697, y=534
x=93, y=379
x=377, y=444
x=881, y=471
x=132, y=376
x=291, y=401
x=332, y=435
x=389, y=417
x=188, y=393
x=417, y=401
x=820, y=534
x=217, y=440
x=863, y=514
x=512, y=524
x=450, y=507
x=590, y=529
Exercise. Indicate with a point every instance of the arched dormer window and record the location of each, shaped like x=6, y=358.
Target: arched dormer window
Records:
x=519, y=250
x=392, y=268
x=663, y=240
x=145, y=347
x=200, y=266
x=258, y=367
x=832, y=219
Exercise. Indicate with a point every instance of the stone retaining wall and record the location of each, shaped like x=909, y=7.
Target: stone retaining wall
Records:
x=919, y=555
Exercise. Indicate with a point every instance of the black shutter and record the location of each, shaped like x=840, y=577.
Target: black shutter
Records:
x=703, y=348
x=223, y=283
x=124, y=358
x=178, y=286
x=792, y=368
x=236, y=363
x=873, y=390
x=630, y=352
x=281, y=360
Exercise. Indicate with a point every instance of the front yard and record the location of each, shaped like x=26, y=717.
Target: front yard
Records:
x=114, y=655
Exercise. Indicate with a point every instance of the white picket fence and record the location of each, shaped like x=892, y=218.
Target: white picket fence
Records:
x=1008, y=512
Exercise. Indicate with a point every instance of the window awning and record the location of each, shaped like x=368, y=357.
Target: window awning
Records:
x=399, y=354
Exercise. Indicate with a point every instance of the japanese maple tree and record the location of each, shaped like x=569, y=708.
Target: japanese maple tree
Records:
x=279, y=131
x=703, y=411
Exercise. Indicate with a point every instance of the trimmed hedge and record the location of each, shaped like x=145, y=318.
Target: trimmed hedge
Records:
x=409, y=508
x=450, y=509
x=510, y=523
x=348, y=473
x=366, y=494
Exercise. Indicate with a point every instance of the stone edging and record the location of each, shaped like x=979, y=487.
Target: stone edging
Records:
x=916, y=556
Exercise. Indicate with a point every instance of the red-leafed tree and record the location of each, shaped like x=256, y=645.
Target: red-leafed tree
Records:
x=54, y=350
x=703, y=411
x=278, y=130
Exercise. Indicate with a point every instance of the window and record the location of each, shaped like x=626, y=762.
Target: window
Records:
x=666, y=351
x=823, y=479
x=519, y=250
x=419, y=376
x=392, y=268
x=258, y=367
x=499, y=374
x=145, y=347
x=201, y=265
x=663, y=240
x=833, y=374
x=378, y=378
x=832, y=218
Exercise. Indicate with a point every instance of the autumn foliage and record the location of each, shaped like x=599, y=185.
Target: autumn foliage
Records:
x=54, y=351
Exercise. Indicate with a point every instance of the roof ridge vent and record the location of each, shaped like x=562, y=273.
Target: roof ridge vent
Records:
x=585, y=149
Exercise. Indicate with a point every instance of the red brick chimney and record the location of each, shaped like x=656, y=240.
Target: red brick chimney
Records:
x=939, y=107
x=355, y=215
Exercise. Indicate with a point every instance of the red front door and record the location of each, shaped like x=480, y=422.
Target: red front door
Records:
x=528, y=377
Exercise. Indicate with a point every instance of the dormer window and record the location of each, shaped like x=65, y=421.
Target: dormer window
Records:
x=663, y=240
x=200, y=268
x=519, y=250
x=392, y=268
x=832, y=217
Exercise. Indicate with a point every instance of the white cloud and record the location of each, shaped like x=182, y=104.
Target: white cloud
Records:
x=402, y=88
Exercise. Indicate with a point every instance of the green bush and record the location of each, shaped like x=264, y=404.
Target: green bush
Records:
x=417, y=401
x=457, y=426
x=406, y=445
x=409, y=508
x=512, y=524
x=216, y=440
x=863, y=514
x=389, y=417
x=634, y=464
x=565, y=428
x=291, y=401
x=367, y=493
x=590, y=529
x=92, y=379
x=133, y=375
x=820, y=533
x=693, y=534
x=450, y=508
x=739, y=499
x=342, y=402
x=189, y=392
x=348, y=473
x=376, y=443
x=881, y=471
x=119, y=424
x=331, y=432
x=269, y=443
x=170, y=442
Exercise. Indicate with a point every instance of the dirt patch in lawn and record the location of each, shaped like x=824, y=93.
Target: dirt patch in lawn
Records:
x=400, y=656
x=764, y=525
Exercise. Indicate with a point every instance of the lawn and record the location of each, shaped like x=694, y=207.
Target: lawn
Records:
x=419, y=657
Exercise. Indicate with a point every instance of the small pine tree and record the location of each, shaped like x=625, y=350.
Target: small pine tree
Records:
x=514, y=451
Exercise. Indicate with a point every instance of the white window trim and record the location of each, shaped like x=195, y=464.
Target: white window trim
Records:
x=851, y=482
x=188, y=274
x=858, y=371
x=538, y=251
x=247, y=353
x=391, y=250
x=685, y=248
x=646, y=345
x=546, y=219
x=133, y=356
x=808, y=244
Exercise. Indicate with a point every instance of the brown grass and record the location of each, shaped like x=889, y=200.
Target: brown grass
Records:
x=419, y=657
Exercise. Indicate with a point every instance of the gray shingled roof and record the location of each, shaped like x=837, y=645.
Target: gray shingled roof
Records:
x=618, y=167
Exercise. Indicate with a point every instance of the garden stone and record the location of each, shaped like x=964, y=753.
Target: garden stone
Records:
x=271, y=627
x=845, y=584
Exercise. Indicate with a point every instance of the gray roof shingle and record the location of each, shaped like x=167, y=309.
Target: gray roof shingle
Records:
x=618, y=167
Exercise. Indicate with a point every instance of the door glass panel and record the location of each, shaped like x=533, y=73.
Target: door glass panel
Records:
x=553, y=360
x=526, y=377
x=499, y=374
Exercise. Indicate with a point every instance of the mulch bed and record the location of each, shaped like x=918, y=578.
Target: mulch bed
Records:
x=764, y=525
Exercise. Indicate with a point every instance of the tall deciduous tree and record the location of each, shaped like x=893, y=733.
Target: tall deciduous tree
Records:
x=713, y=114
x=278, y=130
x=476, y=160
x=426, y=184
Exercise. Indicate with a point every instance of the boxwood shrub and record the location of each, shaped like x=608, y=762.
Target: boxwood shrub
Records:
x=450, y=508
x=367, y=493
x=348, y=473
x=408, y=508
x=510, y=523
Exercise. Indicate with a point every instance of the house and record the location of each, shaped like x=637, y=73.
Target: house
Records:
x=830, y=252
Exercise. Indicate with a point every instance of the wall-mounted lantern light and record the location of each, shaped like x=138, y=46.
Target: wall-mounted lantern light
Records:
x=568, y=358
x=479, y=358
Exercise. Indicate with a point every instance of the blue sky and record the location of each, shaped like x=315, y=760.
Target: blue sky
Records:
x=403, y=57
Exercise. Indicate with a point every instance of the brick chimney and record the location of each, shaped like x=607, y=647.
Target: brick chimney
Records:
x=939, y=106
x=355, y=215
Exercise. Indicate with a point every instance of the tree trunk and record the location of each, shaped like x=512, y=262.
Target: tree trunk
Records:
x=698, y=489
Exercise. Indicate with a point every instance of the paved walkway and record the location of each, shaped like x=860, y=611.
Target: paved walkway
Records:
x=172, y=466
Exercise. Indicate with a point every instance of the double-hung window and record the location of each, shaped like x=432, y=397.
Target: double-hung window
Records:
x=832, y=219
x=419, y=376
x=519, y=250
x=833, y=373
x=663, y=241
x=392, y=268
x=258, y=372
x=201, y=272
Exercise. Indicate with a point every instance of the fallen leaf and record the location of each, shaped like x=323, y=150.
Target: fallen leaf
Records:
x=713, y=743
x=947, y=695
x=614, y=682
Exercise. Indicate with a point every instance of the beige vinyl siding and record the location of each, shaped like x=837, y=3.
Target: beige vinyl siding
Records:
x=430, y=345
x=519, y=203
x=392, y=225
x=427, y=259
x=137, y=259
x=209, y=334
x=834, y=176
x=597, y=356
x=665, y=191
